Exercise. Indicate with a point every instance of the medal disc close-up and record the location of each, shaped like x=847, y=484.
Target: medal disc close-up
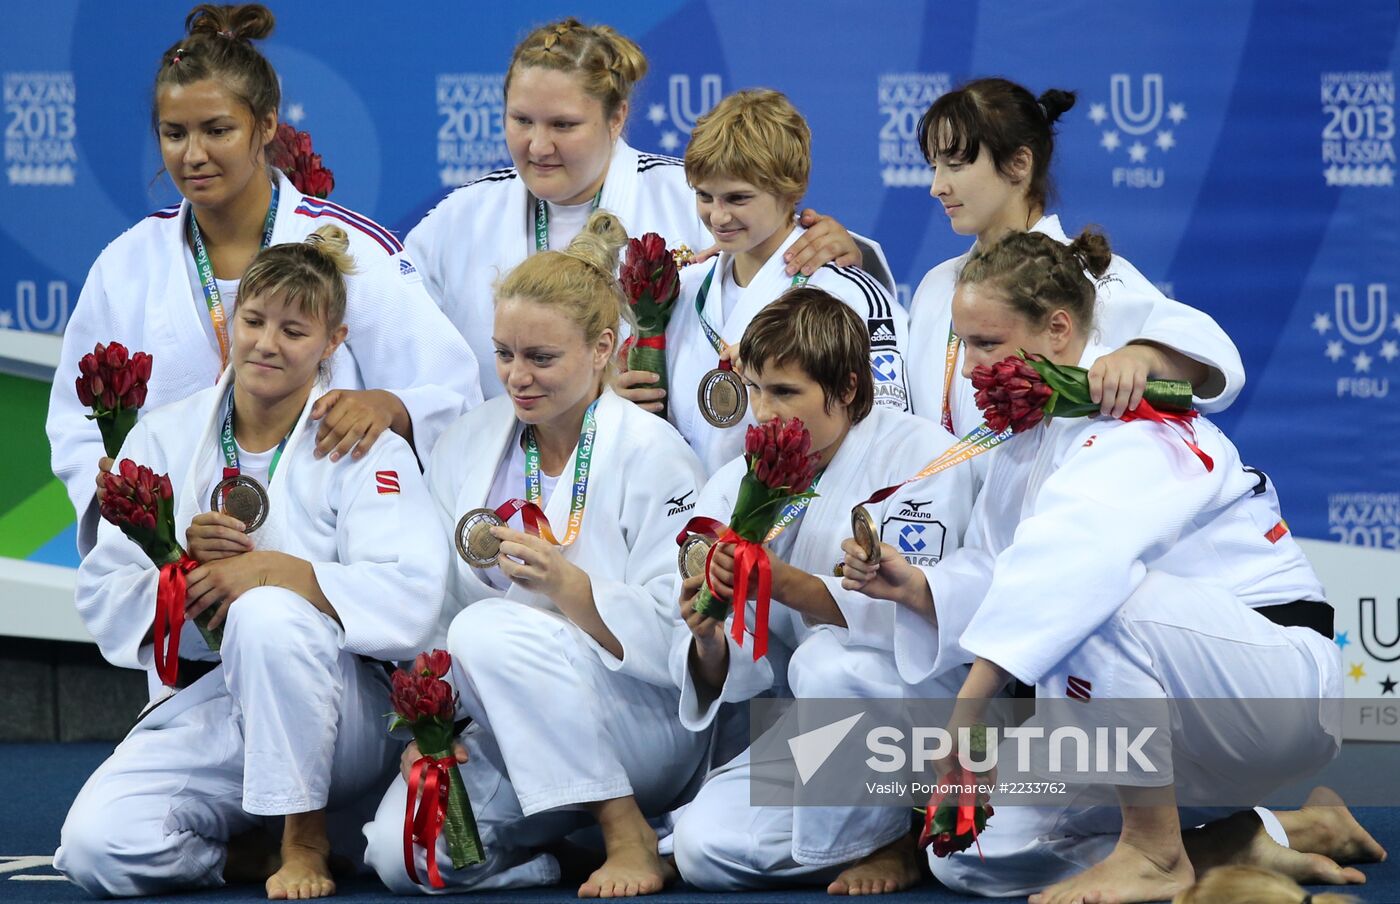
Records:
x=866, y=533
x=243, y=498
x=722, y=398
x=692, y=555
x=475, y=544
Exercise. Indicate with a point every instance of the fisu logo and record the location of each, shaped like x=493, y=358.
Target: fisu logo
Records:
x=1141, y=112
x=1361, y=316
x=684, y=106
x=54, y=317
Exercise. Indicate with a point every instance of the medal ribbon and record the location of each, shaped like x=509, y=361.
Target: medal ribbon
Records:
x=211, y=286
x=532, y=507
x=716, y=340
x=170, y=617
x=226, y=441
x=426, y=825
x=977, y=441
x=542, y=220
x=950, y=361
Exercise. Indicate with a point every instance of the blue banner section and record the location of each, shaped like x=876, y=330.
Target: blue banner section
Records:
x=1242, y=155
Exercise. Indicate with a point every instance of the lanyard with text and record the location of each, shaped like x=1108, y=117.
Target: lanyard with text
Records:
x=950, y=361
x=542, y=220
x=982, y=439
x=711, y=333
x=578, y=498
x=231, y=468
x=792, y=511
x=206, y=275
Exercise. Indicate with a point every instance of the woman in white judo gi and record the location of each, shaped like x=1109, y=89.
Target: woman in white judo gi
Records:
x=806, y=355
x=168, y=286
x=749, y=161
x=567, y=94
x=559, y=649
x=991, y=143
x=1106, y=561
x=287, y=719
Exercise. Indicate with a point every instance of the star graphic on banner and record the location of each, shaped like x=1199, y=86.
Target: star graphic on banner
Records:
x=1138, y=152
x=1362, y=362
x=1335, y=351
x=6, y=320
x=670, y=140
x=1322, y=323
x=1165, y=140
x=1176, y=113
x=1395, y=323
x=1390, y=349
x=657, y=114
x=1098, y=113
x=1385, y=176
x=1331, y=175
x=295, y=113
x=1356, y=672
x=1388, y=685
x=448, y=176
x=1343, y=639
x=1110, y=141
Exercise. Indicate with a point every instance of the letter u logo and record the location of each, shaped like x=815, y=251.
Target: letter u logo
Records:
x=683, y=113
x=27, y=306
x=1384, y=651
x=1361, y=330
x=1144, y=119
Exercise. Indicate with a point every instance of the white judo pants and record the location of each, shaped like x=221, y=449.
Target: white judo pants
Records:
x=288, y=724
x=1173, y=639
x=554, y=728
x=724, y=844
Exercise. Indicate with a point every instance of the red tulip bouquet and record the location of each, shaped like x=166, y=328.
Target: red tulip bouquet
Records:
x=140, y=502
x=953, y=819
x=777, y=487
x=113, y=385
x=427, y=706
x=291, y=153
x=1020, y=391
x=651, y=280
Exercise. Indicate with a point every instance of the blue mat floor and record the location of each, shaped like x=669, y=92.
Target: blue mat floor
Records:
x=42, y=779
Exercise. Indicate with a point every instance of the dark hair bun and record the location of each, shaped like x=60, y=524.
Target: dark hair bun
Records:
x=1056, y=103
x=1092, y=249
x=245, y=22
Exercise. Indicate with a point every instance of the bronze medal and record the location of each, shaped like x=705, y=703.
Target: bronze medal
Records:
x=866, y=533
x=692, y=555
x=475, y=544
x=241, y=497
x=722, y=398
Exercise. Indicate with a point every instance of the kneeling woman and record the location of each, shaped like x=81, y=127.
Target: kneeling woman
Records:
x=287, y=718
x=1107, y=561
x=559, y=647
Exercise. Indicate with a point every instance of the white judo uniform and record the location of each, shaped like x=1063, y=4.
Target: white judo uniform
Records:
x=1105, y=562
x=1129, y=307
x=144, y=292
x=476, y=234
x=729, y=309
x=558, y=721
x=723, y=843
x=293, y=719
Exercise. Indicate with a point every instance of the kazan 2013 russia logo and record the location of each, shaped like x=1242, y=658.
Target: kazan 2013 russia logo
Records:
x=1141, y=122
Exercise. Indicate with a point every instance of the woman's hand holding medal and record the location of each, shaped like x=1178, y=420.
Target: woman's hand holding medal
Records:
x=539, y=565
x=212, y=536
x=354, y=419
x=886, y=576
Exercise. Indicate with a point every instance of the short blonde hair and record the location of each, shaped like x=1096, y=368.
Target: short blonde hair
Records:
x=580, y=281
x=607, y=64
x=757, y=136
x=309, y=275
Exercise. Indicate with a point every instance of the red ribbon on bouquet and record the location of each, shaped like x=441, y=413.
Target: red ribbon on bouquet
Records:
x=945, y=842
x=748, y=557
x=1179, y=422
x=170, y=617
x=426, y=825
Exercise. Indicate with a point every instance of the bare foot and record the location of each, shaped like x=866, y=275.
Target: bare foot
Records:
x=252, y=857
x=1325, y=826
x=1126, y=876
x=892, y=868
x=1240, y=840
x=632, y=868
x=305, y=873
